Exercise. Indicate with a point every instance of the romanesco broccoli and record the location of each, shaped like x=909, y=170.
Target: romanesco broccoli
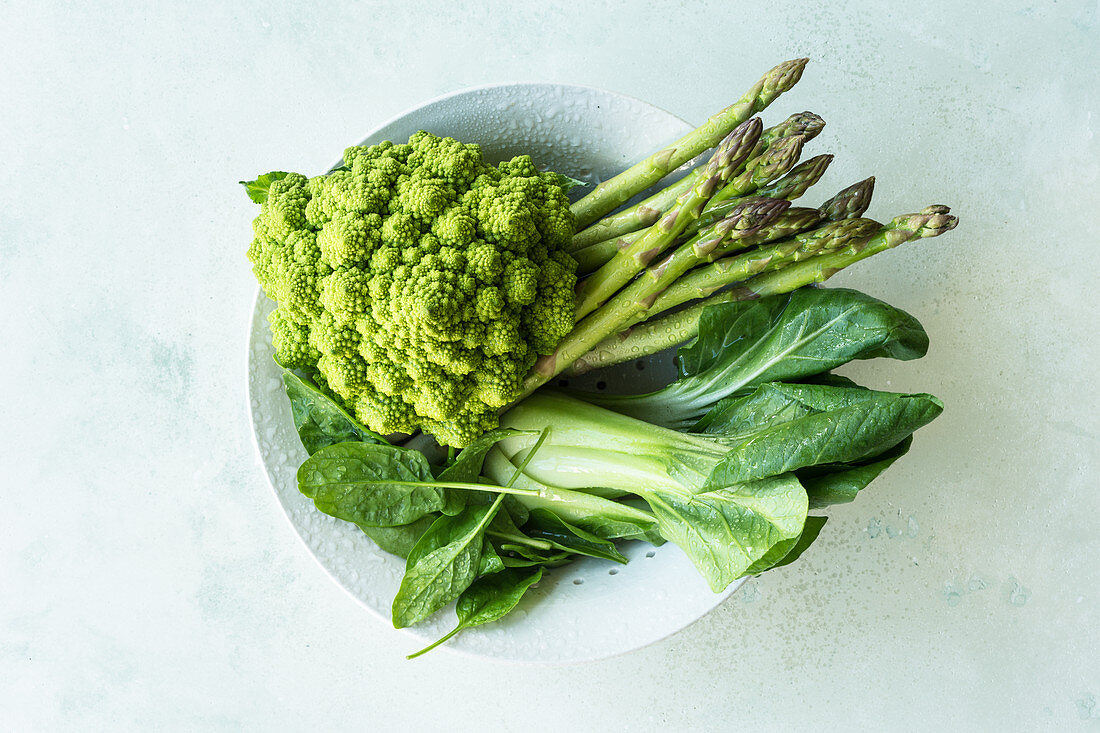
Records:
x=417, y=283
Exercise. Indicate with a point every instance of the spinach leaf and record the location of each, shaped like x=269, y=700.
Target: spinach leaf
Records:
x=726, y=530
x=783, y=427
x=320, y=421
x=398, y=540
x=525, y=555
x=442, y=564
x=467, y=466
x=257, y=190
x=783, y=337
x=490, y=561
x=828, y=485
x=488, y=599
x=545, y=525
x=367, y=484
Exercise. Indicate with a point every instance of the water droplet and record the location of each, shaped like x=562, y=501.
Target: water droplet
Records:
x=1018, y=595
x=873, y=528
x=913, y=527
x=975, y=584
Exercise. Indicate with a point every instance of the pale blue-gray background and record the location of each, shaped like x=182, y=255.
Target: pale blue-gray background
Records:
x=147, y=577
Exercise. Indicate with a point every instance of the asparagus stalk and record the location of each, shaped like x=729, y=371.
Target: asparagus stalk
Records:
x=726, y=161
x=662, y=333
x=761, y=170
x=643, y=214
x=639, y=295
x=850, y=202
x=806, y=124
x=790, y=187
x=614, y=192
x=728, y=270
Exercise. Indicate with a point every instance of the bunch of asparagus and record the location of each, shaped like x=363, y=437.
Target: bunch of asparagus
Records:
x=724, y=231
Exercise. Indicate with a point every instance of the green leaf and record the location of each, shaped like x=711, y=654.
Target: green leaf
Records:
x=398, y=540
x=783, y=427
x=320, y=421
x=257, y=190
x=832, y=484
x=527, y=555
x=444, y=562
x=467, y=466
x=567, y=183
x=488, y=599
x=725, y=531
x=367, y=484
x=787, y=551
x=784, y=337
x=490, y=560
x=810, y=533
x=545, y=525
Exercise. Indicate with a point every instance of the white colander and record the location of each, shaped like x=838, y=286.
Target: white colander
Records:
x=591, y=608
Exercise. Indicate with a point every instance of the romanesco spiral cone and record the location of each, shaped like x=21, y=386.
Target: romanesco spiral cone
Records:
x=418, y=283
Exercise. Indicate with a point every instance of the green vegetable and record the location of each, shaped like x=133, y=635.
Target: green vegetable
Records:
x=726, y=161
x=781, y=338
x=601, y=516
x=828, y=485
x=420, y=283
x=369, y=484
x=401, y=539
x=810, y=532
x=727, y=531
x=634, y=301
x=641, y=215
x=447, y=559
x=488, y=599
x=442, y=564
x=546, y=525
x=614, y=192
x=467, y=467
x=257, y=190
x=320, y=421
x=420, y=289
x=784, y=427
x=380, y=485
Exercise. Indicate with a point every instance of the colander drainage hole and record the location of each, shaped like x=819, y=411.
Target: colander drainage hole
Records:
x=563, y=382
x=651, y=553
x=640, y=364
x=613, y=571
x=601, y=385
x=578, y=581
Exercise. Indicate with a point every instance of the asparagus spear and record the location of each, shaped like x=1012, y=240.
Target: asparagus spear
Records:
x=790, y=187
x=726, y=161
x=645, y=213
x=637, y=297
x=849, y=203
x=614, y=192
x=806, y=124
x=657, y=335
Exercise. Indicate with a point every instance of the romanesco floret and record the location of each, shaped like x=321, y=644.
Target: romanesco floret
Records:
x=417, y=283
